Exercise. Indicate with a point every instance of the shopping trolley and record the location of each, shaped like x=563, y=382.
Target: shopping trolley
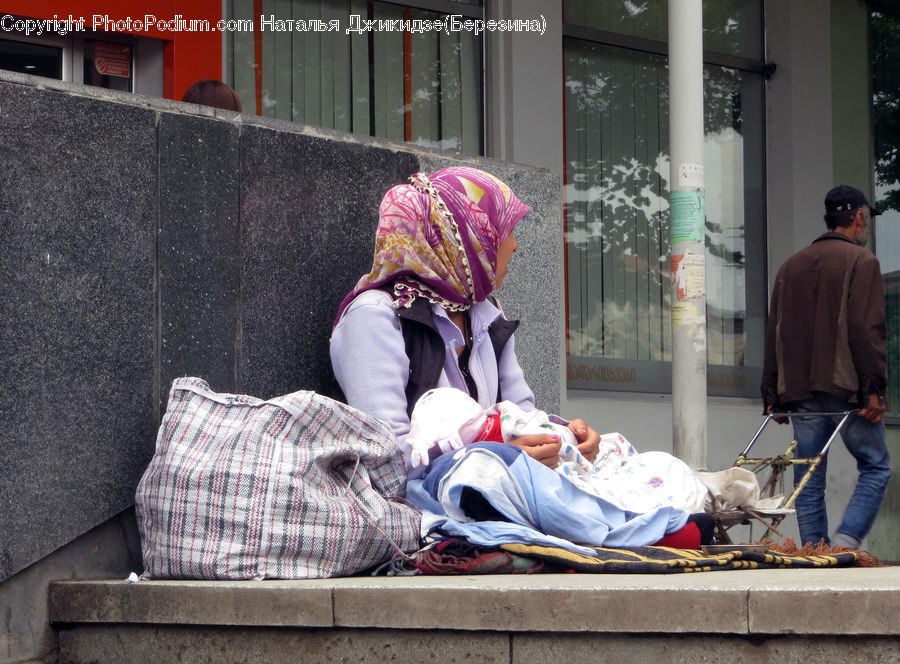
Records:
x=772, y=470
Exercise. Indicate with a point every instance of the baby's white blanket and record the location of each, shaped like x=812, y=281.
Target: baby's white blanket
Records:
x=446, y=419
x=636, y=482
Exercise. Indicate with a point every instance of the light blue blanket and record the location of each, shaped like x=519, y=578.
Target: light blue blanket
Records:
x=541, y=506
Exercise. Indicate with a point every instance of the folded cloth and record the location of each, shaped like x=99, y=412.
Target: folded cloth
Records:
x=536, y=504
x=738, y=488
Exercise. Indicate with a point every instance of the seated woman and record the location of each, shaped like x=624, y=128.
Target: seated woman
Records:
x=423, y=318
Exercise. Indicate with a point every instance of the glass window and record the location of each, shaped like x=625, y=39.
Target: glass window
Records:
x=34, y=59
x=886, y=127
x=423, y=87
x=734, y=27
x=646, y=19
x=616, y=212
x=729, y=26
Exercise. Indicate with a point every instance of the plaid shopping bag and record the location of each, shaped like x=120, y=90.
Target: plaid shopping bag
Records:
x=296, y=487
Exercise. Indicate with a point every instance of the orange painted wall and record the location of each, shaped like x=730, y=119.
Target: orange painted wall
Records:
x=188, y=56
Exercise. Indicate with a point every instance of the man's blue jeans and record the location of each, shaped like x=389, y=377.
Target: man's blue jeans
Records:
x=866, y=442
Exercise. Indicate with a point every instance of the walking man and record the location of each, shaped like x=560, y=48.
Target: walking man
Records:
x=825, y=352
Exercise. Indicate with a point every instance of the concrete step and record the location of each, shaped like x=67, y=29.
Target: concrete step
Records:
x=829, y=615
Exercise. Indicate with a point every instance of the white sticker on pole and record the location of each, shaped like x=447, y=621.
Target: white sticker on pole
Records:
x=690, y=175
x=688, y=277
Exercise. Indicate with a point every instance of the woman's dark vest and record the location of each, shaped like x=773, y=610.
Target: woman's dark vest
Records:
x=426, y=351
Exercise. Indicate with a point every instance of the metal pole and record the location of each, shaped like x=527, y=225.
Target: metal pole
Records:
x=687, y=231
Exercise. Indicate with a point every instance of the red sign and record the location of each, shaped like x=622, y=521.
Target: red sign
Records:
x=112, y=59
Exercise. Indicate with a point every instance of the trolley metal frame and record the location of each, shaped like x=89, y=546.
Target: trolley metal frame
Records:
x=778, y=465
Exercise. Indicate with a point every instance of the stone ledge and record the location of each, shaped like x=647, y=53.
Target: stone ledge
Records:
x=853, y=601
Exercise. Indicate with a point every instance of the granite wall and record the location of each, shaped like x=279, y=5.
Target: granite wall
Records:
x=144, y=240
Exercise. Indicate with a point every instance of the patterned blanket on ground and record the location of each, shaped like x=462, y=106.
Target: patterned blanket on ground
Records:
x=458, y=556
x=663, y=560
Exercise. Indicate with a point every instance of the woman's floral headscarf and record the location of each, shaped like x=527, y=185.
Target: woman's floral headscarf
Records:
x=438, y=237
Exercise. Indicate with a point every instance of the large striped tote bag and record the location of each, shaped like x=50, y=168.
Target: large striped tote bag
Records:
x=295, y=487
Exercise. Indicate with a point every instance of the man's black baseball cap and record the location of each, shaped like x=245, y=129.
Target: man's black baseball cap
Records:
x=844, y=198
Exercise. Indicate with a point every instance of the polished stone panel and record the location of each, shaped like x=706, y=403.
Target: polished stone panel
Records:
x=199, y=250
x=77, y=300
x=309, y=209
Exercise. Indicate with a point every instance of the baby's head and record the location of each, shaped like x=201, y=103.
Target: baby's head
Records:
x=443, y=419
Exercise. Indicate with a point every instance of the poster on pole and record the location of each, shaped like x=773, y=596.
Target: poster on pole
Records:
x=687, y=216
x=688, y=277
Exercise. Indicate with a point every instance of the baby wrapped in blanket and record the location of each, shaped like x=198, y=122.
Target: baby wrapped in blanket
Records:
x=446, y=419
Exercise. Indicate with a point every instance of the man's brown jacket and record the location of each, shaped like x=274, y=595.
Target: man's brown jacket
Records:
x=826, y=329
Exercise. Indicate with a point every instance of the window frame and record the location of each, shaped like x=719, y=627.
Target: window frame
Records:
x=662, y=369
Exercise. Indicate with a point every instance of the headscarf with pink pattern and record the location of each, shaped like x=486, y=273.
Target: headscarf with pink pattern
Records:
x=438, y=237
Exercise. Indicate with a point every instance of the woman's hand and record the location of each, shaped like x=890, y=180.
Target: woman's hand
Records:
x=588, y=439
x=543, y=447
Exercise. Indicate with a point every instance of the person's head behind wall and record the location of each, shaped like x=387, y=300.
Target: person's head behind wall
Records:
x=210, y=92
x=847, y=211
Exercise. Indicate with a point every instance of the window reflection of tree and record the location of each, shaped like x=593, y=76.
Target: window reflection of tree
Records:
x=886, y=106
x=886, y=129
x=617, y=208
